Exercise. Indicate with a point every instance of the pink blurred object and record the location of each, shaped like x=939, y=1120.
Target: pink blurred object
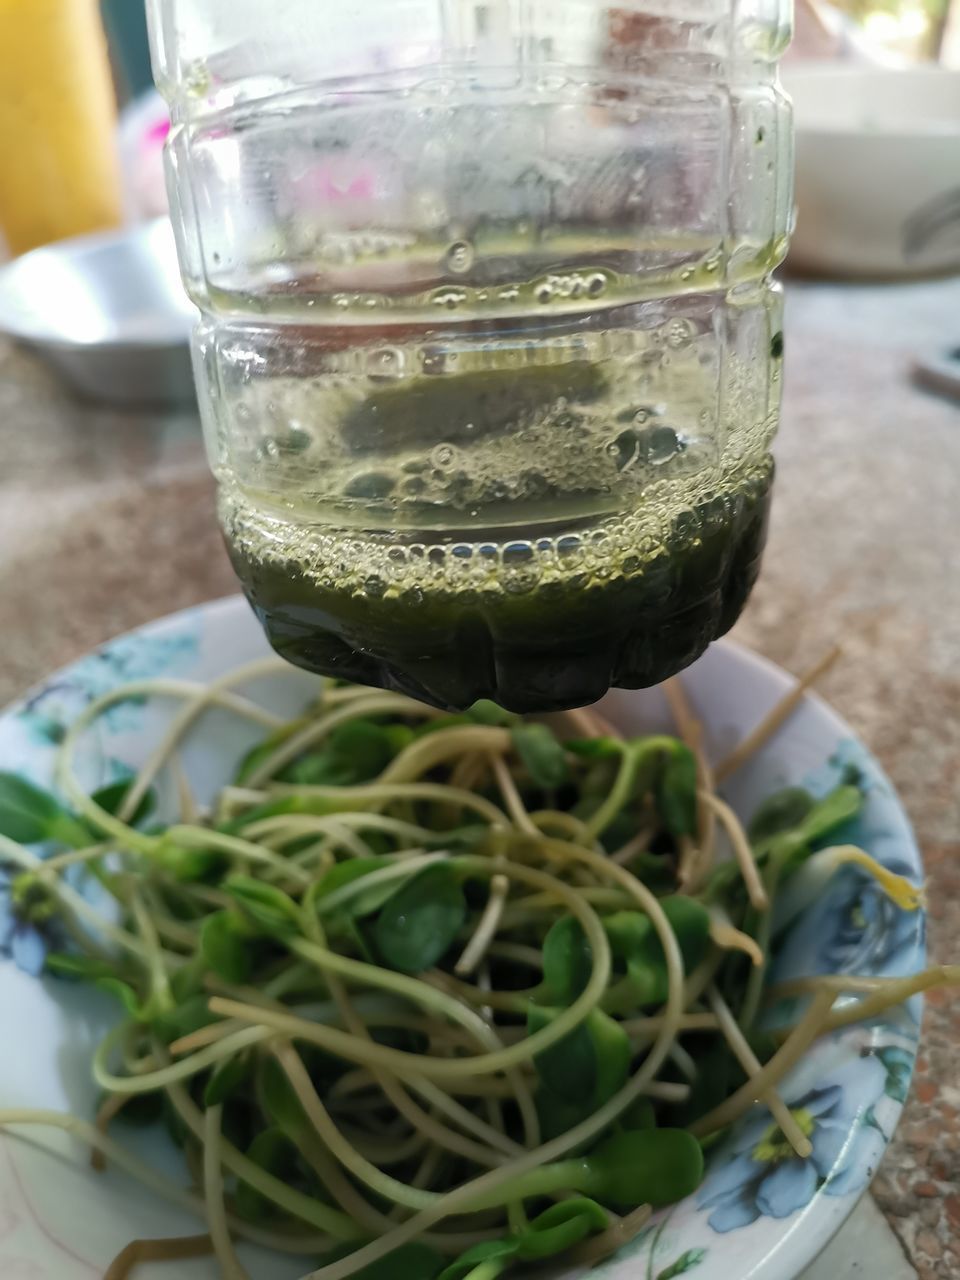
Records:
x=334, y=182
x=144, y=128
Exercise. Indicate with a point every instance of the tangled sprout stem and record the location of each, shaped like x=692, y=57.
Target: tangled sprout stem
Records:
x=415, y=980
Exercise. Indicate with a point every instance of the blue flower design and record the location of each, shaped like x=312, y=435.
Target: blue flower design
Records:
x=134, y=657
x=25, y=940
x=855, y=928
x=761, y=1175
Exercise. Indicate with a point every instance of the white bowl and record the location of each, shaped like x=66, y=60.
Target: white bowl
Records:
x=878, y=170
x=760, y=1214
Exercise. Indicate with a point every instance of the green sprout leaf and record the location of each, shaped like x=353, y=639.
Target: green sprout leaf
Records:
x=594, y=748
x=842, y=805
x=112, y=796
x=644, y=1166
x=634, y=939
x=592, y=1062
x=640, y=1115
x=189, y=1016
x=486, y=1255
x=364, y=902
x=278, y=1098
x=272, y=1151
x=677, y=791
x=568, y=1069
x=542, y=754
x=188, y=866
x=561, y=1227
x=567, y=960
x=225, y=1081
x=256, y=756
x=84, y=968
x=355, y=752
x=274, y=911
x=301, y=803
x=139, y=1010
x=28, y=814
x=412, y=1261
x=487, y=712
x=225, y=947
x=780, y=812
x=420, y=921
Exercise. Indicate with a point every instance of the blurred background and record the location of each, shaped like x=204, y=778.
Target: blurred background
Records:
x=876, y=85
x=81, y=127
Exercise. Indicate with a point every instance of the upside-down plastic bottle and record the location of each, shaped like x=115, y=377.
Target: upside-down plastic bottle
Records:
x=489, y=358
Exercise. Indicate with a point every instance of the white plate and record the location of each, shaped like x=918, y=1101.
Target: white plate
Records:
x=760, y=1215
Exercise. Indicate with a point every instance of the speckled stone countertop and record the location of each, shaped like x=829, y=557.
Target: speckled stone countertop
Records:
x=106, y=521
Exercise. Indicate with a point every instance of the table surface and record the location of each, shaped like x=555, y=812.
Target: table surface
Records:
x=106, y=521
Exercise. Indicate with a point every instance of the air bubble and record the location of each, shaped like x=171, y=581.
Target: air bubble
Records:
x=460, y=257
x=679, y=333
x=386, y=363
x=520, y=570
x=450, y=299
x=625, y=450
x=544, y=294
x=517, y=553
x=374, y=586
x=373, y=486
x=433, y=360
x=596, y=285
x=662, y=444
x=638, y=185
x=444, y=456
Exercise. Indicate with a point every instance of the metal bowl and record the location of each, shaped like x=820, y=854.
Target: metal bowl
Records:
x=108, y=312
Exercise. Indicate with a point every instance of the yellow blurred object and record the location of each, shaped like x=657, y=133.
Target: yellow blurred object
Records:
x=59, y=173
x=910, y=30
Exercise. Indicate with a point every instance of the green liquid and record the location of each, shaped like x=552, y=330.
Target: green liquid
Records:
x=538, y=625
